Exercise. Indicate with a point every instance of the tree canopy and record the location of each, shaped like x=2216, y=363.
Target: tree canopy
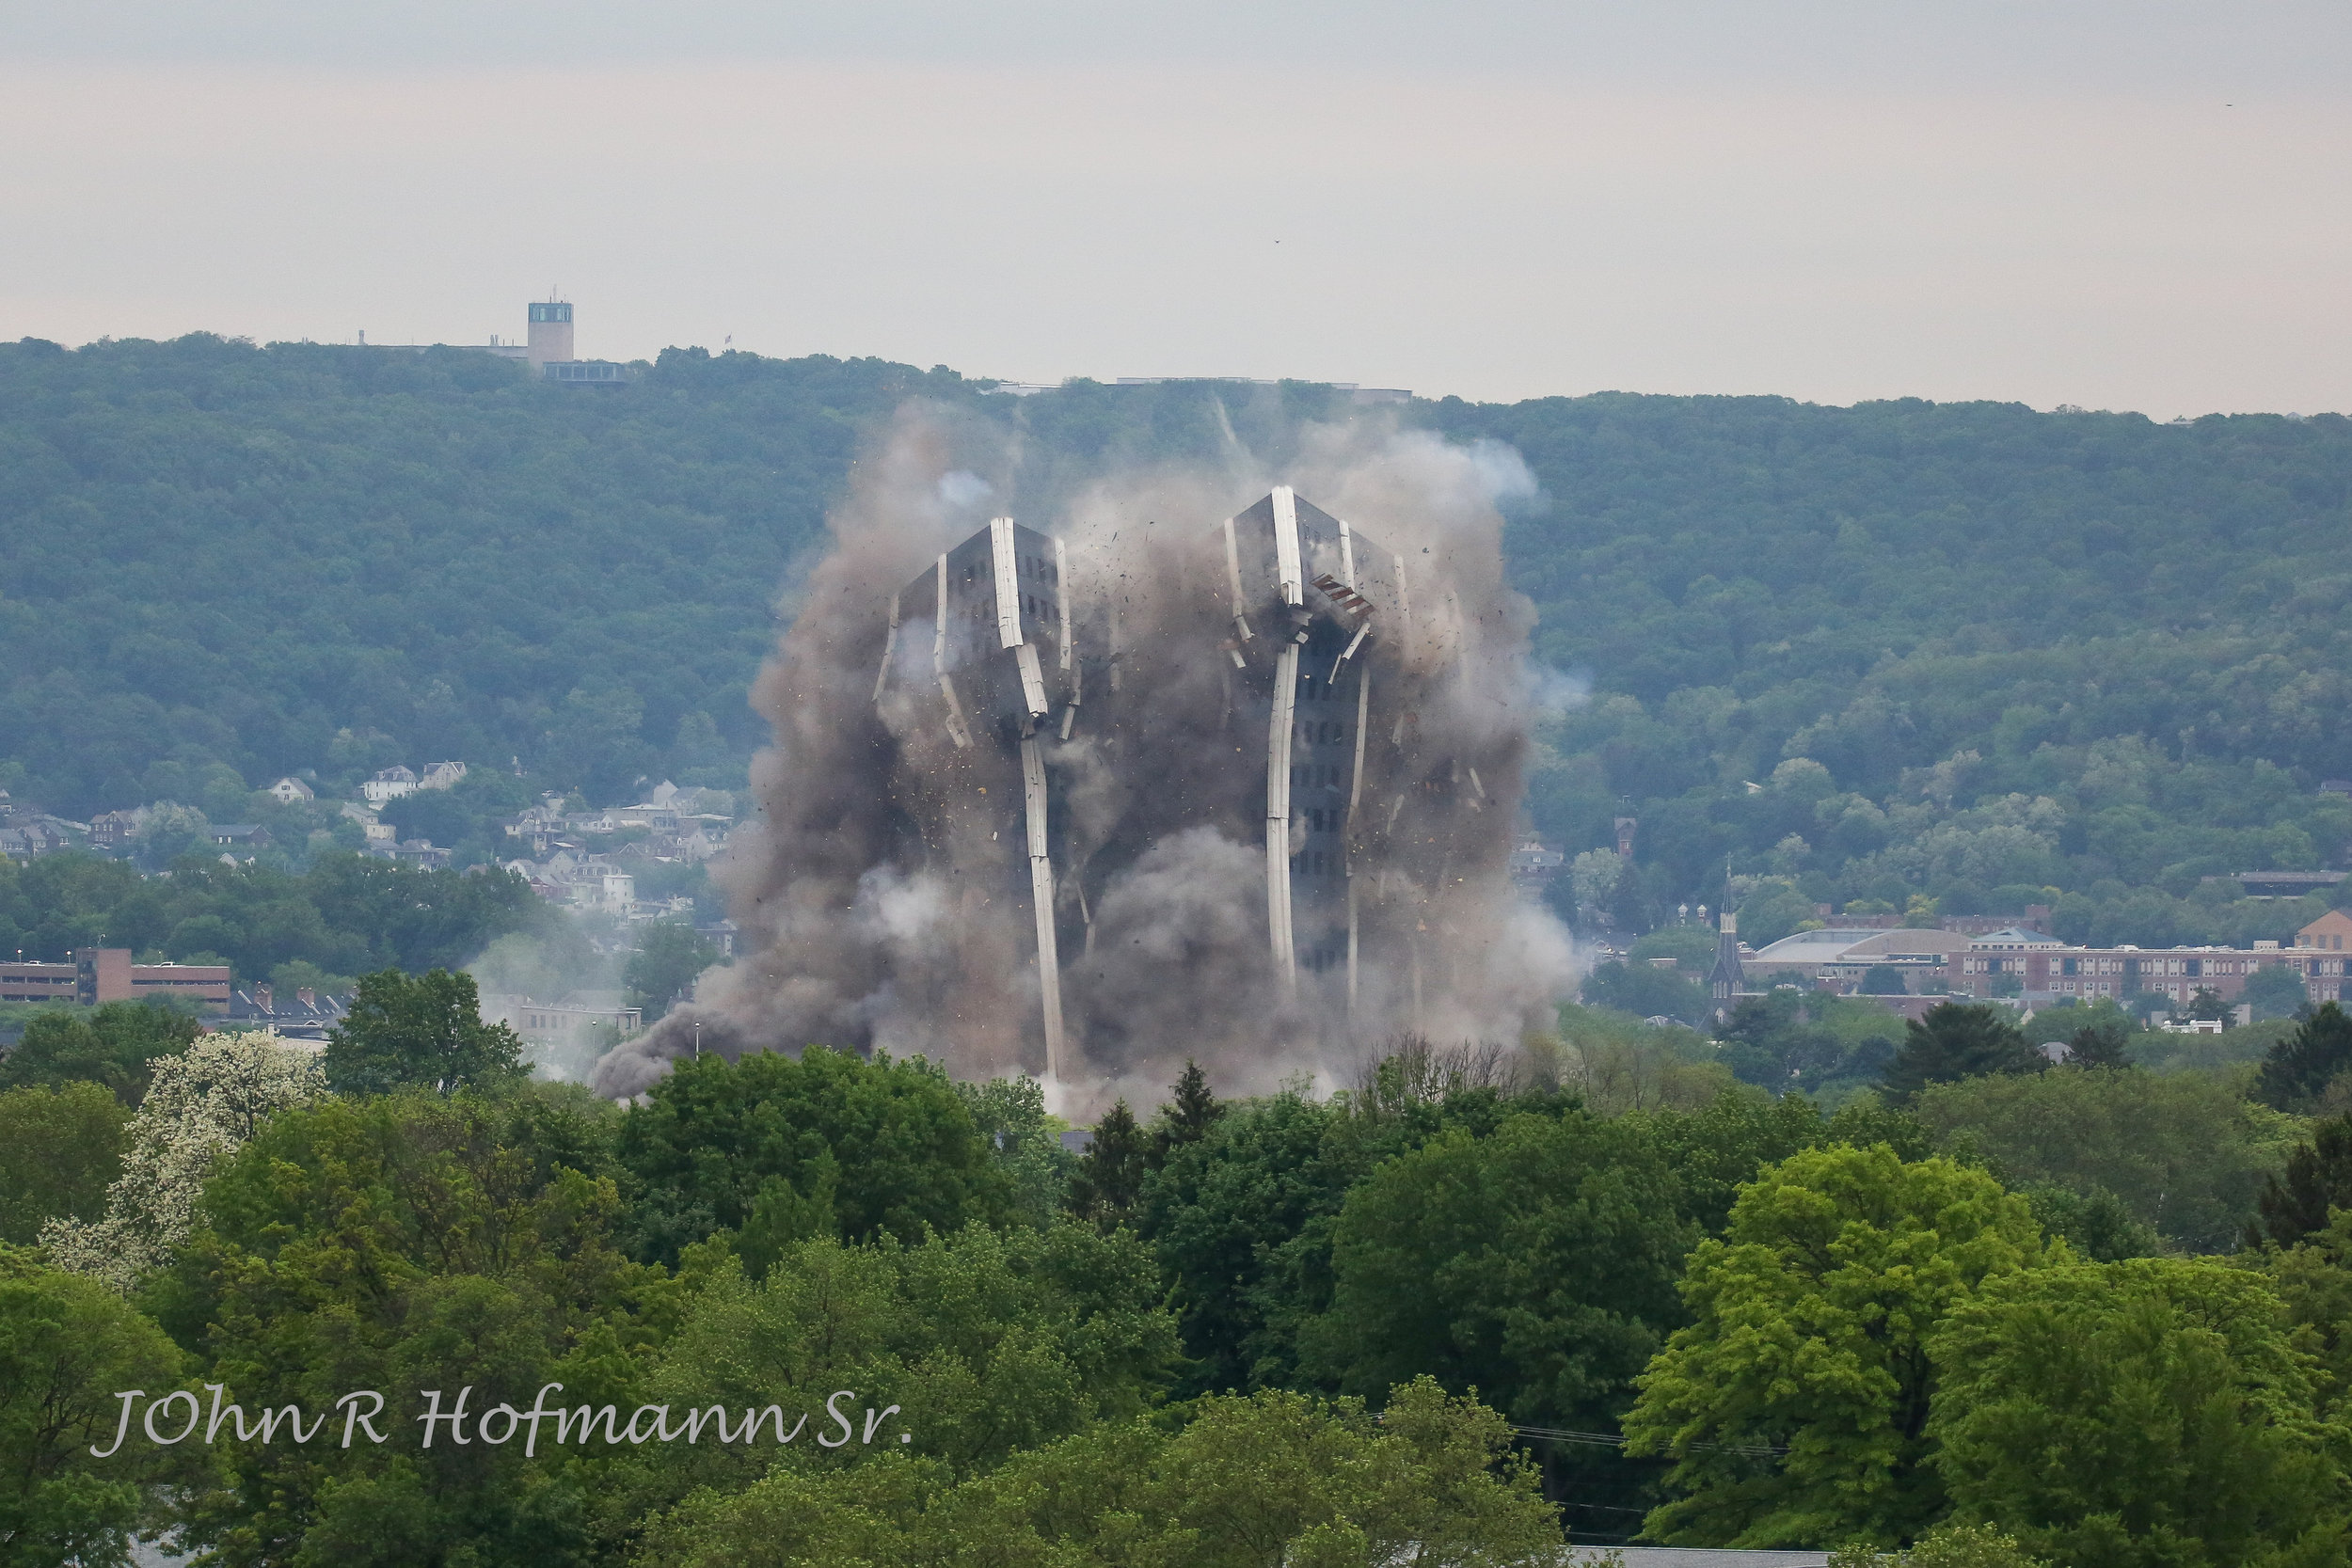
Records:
x=2140, y=1413
x=1955, y=1040
x=424, y=1030
x=1808, y=648
x=890, y=1143
x=1795, y=1405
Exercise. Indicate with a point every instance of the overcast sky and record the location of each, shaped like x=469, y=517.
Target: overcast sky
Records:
x=2137, y=205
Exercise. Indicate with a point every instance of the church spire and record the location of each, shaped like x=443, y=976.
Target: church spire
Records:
x=1724, y=982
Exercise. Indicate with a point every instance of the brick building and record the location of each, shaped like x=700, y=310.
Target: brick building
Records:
x=99, y=974
x=2050, y=969
x=2019, y=961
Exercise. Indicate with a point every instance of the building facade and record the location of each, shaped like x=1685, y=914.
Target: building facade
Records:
x=97, y=975
x=2032, y=964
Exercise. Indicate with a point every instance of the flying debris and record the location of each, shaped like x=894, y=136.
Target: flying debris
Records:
x=1082, y=803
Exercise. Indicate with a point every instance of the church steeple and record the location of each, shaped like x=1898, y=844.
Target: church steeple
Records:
x=1725, y=981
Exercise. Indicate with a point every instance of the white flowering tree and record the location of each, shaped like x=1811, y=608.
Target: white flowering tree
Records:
x=202, y=1106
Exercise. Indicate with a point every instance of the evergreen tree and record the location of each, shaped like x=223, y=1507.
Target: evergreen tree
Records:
x=1110, y=1174
x=2097, y=1045
x=1186, y=1119
x=2318, y=1179
x=2303, y=1064
x=1956, y=1041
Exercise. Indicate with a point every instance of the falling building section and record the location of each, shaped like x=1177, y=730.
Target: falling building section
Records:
x=1082, y=795
x=1052, y=744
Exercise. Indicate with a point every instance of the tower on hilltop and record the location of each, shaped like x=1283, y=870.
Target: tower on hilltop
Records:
x=550, y=332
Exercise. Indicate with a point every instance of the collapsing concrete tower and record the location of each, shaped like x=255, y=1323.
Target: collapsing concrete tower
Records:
x=1269, y=682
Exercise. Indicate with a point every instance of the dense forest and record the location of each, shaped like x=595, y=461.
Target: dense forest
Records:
x=1968, y=653
x=2005, y=1313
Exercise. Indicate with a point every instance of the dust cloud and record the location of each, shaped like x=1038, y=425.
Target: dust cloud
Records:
x=877, y=892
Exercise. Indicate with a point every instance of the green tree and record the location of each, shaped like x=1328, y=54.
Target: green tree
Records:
x=1795, y=1407
x=420, y=1030
x=901, y=1141
x=1110, y=1173
x=1010, y=1117
x=113, y=1044
x=1242, y=1219
x=1272, y=1478
x=1537, y=1264
x=990, y=1341
x=2298, y=1068
x=670, y=958
x=2094, y=1221
x=2274, y=992
x=1191, y=1111
x=1947, y=1545
x=408, y=1241
x=60, y=1147
x=1882, y=980
x=67, y=1345
x=2097, y=1045
x=1954, y=1040
x=1646, y=990
x=2317, y=1182
x=2135, y=1415
x=2183, y=1152
x=1773, y=910
x=1717, y=1149
x=2313, y=1281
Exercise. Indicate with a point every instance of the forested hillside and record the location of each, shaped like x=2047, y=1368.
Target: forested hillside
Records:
x=1969, y=651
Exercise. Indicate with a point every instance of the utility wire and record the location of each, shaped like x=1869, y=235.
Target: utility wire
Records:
x=1617, y=1440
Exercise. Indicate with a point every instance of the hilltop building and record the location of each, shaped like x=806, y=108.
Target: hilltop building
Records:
x=547, y=349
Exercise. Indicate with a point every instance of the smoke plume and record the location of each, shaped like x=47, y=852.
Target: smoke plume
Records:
x=871, y=890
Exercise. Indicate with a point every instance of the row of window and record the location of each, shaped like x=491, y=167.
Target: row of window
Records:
x=2191, y=968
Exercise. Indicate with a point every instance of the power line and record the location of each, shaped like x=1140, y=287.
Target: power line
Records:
x=1618, y=1440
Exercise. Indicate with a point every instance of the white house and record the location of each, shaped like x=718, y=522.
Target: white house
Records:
x=290, y=789
x=390, y=785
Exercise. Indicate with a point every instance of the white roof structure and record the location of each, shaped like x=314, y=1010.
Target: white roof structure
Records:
x=1833, y=945
x=2014, y=939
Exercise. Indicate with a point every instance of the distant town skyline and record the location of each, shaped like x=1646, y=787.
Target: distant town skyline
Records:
x=2109, y=205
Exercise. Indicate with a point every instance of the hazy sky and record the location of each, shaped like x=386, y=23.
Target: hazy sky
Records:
x=2135, y=205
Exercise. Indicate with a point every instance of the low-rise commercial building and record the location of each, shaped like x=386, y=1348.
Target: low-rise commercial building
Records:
x=98, y=975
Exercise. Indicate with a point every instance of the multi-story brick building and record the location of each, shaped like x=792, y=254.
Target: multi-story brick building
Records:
x=2045, y=967
x=2020, y=961
x=107, y=974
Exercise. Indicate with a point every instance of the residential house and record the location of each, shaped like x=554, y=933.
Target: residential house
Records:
x=111, y=830
x=290, y=789
x=389, y=785
x=442, y=775
x=245, y=837
x=423, y=853
x=1533, y=863
x=304, y=1015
